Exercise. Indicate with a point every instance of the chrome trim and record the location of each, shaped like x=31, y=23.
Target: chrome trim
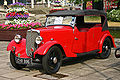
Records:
x=35, y=30
x=74, y=22
x=30, y=41
x=46, y=22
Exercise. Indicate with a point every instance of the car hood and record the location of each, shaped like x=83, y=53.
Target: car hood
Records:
x=51, y=28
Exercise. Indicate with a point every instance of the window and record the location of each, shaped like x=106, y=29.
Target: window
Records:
x=92, y=19
x=87, y=22
x=54, y=20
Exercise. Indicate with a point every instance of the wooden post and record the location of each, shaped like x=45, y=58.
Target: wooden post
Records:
x=82, y=5
x=48, y=3
x=13, y=1
x=43, y=2
x=63, y=3
x=32, y=3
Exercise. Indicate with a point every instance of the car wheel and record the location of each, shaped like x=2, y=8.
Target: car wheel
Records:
x=106, y=49
x=52, y=60
x=13, y=62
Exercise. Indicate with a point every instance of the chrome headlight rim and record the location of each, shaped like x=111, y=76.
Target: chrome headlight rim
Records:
x=17, y=38
x=38, y=40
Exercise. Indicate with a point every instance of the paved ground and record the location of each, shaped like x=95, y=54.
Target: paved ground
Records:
x=82, y=68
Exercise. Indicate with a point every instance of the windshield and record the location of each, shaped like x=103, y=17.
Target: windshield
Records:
x=54, y=20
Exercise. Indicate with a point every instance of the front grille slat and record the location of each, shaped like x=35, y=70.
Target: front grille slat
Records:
x=30, y=42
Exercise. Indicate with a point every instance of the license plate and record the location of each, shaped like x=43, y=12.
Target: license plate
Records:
x=23, y=60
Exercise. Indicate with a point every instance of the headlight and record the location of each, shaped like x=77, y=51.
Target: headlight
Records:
x=17, y=38
x=38, y=40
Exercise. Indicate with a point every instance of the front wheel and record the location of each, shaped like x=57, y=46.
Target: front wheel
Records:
x=106, y=49
x=52, y=60
x=13, y=62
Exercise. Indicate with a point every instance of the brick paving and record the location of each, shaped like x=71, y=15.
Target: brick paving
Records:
x=82, y=68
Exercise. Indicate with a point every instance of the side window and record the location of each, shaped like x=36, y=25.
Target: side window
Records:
x=92, y=19
x=84, y=23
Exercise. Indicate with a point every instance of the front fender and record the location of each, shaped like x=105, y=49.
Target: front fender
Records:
x=19, y=48
x=21, y=45
x=42, y=50
x=102, y=40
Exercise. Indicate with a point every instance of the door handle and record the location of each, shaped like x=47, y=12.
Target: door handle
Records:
x=76, y=38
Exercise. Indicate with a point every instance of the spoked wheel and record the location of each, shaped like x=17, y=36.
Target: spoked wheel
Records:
x=13, y=62
x=52, y=60
x=106, y=49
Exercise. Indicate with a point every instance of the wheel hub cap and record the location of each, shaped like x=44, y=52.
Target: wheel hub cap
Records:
x=54, y=60
x=106, y=47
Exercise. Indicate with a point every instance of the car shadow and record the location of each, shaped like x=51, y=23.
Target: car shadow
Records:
x=66, y=62
x=74, y=60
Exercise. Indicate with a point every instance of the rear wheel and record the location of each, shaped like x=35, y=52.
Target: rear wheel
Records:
x=106, y=49
x=13, y=62
x=52, y=60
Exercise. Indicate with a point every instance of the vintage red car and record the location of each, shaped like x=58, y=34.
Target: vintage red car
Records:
x=66, y=34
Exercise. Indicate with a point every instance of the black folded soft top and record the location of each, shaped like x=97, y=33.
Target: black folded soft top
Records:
x=78, y=12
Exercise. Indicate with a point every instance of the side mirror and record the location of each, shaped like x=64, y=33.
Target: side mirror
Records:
x=117, y=53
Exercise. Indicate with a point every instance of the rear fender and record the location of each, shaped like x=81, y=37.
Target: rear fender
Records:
x=102, y=40
x=42, y=50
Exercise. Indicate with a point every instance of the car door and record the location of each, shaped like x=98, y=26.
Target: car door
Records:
x=90, y=40
x=93, y=38
x=94, y=34
x=79, y=45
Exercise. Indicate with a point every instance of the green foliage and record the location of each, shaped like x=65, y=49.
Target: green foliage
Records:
x=77, y=1
x=115, y=33
x=114, y=15
x=94, y=0
x=38, y=0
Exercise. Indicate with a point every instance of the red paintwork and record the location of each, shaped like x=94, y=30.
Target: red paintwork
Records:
x=102, y=40
x=19, y=48
x=88, y=39
x=60, y=36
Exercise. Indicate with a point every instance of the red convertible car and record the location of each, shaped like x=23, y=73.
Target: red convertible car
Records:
x=66, y=34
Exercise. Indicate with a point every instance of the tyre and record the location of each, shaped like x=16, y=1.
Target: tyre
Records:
x=13, y=62
x=117, y=53
x=52, y=61
x=106, y=49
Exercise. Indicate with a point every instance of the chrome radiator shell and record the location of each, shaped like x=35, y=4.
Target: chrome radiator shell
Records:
x=30, y=41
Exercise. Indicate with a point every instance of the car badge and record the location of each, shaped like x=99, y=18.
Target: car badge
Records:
x=32, y=49
x=18, y=54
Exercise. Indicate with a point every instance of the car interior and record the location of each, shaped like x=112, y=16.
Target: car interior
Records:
x=84, y=25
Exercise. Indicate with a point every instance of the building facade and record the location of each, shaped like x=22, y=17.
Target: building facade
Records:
x=110, y=4
x=103, y=4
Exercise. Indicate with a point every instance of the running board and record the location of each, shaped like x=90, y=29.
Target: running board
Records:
x=86, y=53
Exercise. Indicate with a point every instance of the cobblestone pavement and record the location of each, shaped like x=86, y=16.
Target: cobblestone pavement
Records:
x=82, y=68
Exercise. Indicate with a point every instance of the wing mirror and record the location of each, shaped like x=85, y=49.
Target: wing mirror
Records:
x=117, y=53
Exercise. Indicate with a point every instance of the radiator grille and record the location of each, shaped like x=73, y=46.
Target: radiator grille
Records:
x=30, y=42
